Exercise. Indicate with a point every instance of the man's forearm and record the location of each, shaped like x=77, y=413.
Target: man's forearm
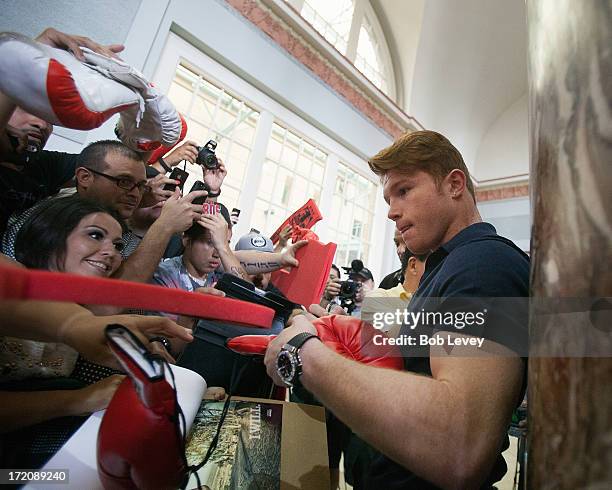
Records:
x=256, y=262
x=231, y=263
x=140, y=266
x=414, y=420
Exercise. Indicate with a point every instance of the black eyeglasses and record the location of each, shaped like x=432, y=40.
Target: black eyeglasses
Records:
x=123, y=182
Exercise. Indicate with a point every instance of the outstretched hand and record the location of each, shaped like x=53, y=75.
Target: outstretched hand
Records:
x=288, y=256
x=72, y=43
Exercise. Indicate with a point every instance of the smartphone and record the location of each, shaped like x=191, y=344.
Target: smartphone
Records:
x=177, y=174
x=198, y=185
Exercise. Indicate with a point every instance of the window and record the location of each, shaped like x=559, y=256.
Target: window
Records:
x=331, y=19
x=352, y=215
x=275, y=159
x=213, y=113
x=292, y=173
x=363, y=45
x=368, y=60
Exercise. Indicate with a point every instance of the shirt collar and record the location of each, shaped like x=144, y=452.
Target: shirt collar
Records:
x=468, y=234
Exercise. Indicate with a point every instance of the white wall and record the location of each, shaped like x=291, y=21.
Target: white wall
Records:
x=504, y=150
x=106, y=21
x=511, y=218
x=470, y=66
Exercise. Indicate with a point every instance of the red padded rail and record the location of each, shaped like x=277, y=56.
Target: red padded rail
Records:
x=17, y=283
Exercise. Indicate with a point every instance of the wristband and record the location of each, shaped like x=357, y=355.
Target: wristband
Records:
x=164, y=165
x=214, y=194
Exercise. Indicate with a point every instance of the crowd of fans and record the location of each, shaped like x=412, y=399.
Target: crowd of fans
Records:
x=105, y=213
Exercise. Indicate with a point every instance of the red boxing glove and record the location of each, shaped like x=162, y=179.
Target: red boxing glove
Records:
x=53, y=85
x=140, y=444
x=348, y=336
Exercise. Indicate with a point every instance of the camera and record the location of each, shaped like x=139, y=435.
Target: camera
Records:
x=207, y=157
x=198, y=185
x=350, y=288
x=348, y=294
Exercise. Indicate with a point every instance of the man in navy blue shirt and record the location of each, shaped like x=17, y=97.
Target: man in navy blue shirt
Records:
x=441, y=423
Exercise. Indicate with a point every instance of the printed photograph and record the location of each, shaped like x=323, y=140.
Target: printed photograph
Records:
x=248, y=453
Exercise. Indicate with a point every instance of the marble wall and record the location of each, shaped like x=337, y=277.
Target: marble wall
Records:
x=570, y=119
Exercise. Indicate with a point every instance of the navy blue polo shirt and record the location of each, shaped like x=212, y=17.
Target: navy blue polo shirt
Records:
x=464, y=274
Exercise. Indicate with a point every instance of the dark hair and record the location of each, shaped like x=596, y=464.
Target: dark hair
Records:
x=335, y=267
x=196, y=231
x=44, y=234
x=93, y=155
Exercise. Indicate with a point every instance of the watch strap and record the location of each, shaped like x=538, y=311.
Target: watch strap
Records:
x=292, y=348
x=164, y=165
x=300, y=339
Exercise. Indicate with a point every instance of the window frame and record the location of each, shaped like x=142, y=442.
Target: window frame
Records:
x=363, y=11
x=177, y=50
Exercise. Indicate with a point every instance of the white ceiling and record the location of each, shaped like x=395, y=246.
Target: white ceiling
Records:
x=462, y=62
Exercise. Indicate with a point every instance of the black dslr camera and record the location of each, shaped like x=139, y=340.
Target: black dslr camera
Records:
x=207, y=157
x=350, y=288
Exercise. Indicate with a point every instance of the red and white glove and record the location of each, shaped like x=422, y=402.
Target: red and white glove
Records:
x=145, y=128
x=160, y=125
x=162, y=150
x=53, y=85
x=348, y=336
x=153, y=124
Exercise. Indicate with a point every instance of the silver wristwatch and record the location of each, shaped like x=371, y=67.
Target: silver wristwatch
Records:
x=288, y=361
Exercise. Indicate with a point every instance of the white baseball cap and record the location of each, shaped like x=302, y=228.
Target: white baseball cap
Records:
x=255, y=241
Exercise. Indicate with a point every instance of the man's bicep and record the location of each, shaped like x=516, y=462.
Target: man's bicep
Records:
x=485, y=381
x=475, y=367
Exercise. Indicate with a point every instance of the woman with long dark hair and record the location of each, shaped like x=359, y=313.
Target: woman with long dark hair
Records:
x=41, y=399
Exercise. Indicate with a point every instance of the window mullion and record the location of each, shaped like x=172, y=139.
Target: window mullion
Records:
x=327, y=196
x=254, y=171
x=358, y=14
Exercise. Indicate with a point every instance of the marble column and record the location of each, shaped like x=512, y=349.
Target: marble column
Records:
x=570, y=118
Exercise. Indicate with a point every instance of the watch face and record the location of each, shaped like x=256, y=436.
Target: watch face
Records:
x=286, y=366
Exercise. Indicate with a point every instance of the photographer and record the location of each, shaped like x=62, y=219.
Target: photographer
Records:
x=144, y=217
x=332, y=288
x=352, y=292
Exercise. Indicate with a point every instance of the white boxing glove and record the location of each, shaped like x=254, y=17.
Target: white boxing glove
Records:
x=159, y=124
x=53, y=85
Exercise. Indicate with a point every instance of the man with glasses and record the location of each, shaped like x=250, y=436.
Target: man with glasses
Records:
x=110, y=173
